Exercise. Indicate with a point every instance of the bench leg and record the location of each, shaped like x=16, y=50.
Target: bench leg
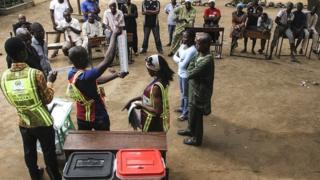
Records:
x=280, y=48
x=267, y=50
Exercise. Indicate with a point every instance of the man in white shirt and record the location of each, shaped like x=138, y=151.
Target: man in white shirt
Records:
x=265, y=25
x=57, y=8
x=171, y=22
x=182, y=57
x=39, y=44
x=91, y=28
x=113, y=18
x=283, y=21
x=71, y=28
x=312, y=19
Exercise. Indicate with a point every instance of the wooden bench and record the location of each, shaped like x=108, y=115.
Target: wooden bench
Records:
x=77, y=141
x=53, y=46
x=255, y=34
x=95, y=42
x=217, y=44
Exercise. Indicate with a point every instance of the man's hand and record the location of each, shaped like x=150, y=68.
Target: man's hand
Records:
x=118, y=31
x=52, y=76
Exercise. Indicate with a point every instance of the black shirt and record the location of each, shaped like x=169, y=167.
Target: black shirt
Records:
x=26, y=25
x=151, y=20
x=253, y=10
x=299, y=21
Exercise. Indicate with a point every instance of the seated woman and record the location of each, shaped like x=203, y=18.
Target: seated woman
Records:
x=239, y=18
x=155, y=103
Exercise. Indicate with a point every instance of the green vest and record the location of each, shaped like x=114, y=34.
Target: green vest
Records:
x=74, y=93
x=20, y=89
x=165, y=115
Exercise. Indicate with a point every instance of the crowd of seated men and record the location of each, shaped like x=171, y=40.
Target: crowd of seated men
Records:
x=297, y=26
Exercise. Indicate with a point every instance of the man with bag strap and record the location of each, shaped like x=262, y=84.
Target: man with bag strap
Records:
x=83, y=87
x=26, y=89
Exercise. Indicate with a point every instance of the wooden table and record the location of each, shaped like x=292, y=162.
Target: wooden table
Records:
x=113, y=141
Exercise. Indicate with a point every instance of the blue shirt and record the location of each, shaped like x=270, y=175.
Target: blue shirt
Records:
x=89, y=6
x=87, y=85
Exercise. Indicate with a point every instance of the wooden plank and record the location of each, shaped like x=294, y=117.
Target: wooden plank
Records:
x=113, y=141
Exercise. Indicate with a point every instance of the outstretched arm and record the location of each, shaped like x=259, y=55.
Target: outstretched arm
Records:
x=109, y=56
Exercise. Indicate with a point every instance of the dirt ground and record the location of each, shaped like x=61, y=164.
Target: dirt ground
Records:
x=264, y=125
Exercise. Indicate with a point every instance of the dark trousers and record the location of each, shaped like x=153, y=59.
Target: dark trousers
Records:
x=156, y=35
x=171, y=29
x=196, y=123
x=134, y=38
x=46, y=137
x=99, y=124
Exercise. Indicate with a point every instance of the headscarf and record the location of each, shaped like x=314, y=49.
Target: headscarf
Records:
x=112, y=2
x=240, y=4
x=152, y=62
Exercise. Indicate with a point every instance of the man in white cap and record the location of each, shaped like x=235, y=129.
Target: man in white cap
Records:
x=113, y=18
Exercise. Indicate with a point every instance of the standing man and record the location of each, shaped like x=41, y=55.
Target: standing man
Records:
x=72, y=30
x=32, y=59
x=90, y=6
x=184, y=17
x=171, y=23
x=254, y=12
x=130, y=12
x=57, y=8
x=211, y=18
x=283, y=21
x=312, y=19
x=26, y=89
x=182, y=57
x=40, y=46
x=121, y=3
x=200, y=77
x=150, y=10
x=299, y=26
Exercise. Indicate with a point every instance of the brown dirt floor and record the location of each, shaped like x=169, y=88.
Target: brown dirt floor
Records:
x=264, y=125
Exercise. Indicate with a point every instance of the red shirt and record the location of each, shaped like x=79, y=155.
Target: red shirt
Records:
x=212, y=12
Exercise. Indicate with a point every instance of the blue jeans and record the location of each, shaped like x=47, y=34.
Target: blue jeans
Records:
x=156, y=34
x=171, y=29
x=184, y=96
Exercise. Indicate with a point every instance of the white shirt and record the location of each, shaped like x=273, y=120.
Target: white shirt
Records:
x=75, y=24
x=58, y=9
x=169, y=9
x=185, y=55
x=284, y=17
x=312, y=21
x=113, y=21
x=92, y=30
x=265, y=25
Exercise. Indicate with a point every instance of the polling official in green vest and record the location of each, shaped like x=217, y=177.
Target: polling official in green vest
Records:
x=155, y=116
x=28, y=91
x=200, y=78
x=83, y=86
